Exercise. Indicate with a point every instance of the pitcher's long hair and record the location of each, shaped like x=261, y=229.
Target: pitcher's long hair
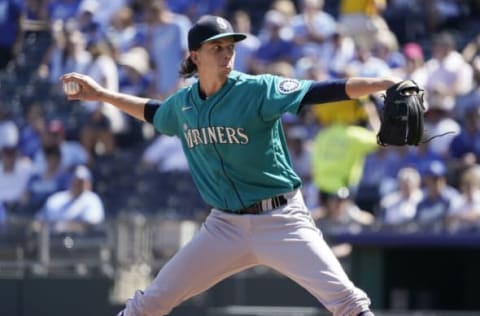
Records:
x=188, y=68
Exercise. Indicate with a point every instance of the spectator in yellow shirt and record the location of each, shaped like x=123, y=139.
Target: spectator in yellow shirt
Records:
x=338, y=155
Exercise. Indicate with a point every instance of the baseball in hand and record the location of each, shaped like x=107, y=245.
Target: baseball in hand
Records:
x=71, y=87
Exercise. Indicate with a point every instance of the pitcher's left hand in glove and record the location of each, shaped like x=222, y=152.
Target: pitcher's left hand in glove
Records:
x=402, y=115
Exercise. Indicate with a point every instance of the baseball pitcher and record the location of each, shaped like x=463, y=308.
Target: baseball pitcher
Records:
x=230, y=127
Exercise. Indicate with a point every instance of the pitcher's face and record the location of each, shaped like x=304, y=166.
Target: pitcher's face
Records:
x=215, y=56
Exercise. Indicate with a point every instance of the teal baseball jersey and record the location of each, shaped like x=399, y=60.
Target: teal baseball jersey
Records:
x=233, y=140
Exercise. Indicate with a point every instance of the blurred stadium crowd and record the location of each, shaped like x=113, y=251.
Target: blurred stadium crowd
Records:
x=136, y=46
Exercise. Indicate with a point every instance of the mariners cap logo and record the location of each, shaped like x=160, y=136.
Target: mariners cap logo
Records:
x=288, y=85
x=222, y=24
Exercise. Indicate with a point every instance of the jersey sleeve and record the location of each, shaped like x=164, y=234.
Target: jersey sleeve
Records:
x=281, y=95
x=165, y=119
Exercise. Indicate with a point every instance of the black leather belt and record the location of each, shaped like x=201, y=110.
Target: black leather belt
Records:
x=261, y=206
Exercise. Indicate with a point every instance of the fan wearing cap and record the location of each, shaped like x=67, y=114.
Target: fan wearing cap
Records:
x=230, y=127
x=74, y=209
x=439, y=197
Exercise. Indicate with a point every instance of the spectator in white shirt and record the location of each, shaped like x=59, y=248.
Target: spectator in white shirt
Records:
x=76, y=208
x=465, y=215
x=367, y=65
x=439, y=121
x=337, y=52
x=447, y=70
x=399, y=207
x=15, y=170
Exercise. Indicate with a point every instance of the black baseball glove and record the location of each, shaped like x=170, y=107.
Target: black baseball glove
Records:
x=402, y=115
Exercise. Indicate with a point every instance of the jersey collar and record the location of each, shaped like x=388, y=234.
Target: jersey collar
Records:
x=232, y=76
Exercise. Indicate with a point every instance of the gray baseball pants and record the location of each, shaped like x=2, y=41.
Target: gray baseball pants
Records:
x=284, y=239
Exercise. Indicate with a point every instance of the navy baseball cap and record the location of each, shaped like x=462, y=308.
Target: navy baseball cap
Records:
x=209, y=28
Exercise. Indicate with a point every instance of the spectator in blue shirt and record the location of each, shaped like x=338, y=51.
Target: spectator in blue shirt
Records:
x=312, y=28
x=92, y=29
x=10, y=28
x=63, y=10
x=419, y=157
x=195, y=9
x=135, y=74
x=165, y=38
x=73, y=153
x=3, y=218
x=275, y=45
x=123, y=31
x=41, y=185
x=30, y=142
x=465, y=147
x=3, y=214
x=438, y=198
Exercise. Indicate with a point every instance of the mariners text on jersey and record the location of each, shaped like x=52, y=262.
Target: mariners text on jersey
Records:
x=215, y=135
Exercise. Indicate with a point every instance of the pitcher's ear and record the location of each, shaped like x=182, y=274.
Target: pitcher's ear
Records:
x=194, y=57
